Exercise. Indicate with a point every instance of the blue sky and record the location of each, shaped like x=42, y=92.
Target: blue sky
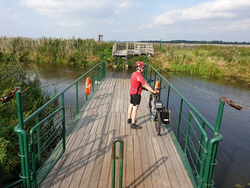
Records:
x=123, y=20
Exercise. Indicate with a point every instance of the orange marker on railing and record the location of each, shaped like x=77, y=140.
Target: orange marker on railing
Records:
x=157, y=86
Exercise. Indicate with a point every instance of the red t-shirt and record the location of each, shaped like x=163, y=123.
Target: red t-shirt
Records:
x=136, y=83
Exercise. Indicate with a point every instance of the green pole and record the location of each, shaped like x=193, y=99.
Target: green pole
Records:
x=20, y=126
x=187, y=135
x=219, y=117
x=63, y=121
x=93, y=81
x=114, y=157
x=160, y=87
x=179, y=122
x=38, y=142
x=168, y=97
x=150, y=76
x=154, y=80
x=216, y=134
x=77, y=105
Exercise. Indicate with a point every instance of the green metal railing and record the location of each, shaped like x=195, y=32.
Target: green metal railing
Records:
x=195, y=138
x=120, y=158
x=43, y=145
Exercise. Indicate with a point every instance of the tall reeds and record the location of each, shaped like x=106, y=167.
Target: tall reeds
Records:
x=210, y=61
x=49, y=50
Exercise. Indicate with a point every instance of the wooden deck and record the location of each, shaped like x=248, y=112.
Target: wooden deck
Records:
x=149, y=160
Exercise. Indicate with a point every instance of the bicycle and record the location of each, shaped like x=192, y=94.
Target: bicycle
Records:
x=159, y=114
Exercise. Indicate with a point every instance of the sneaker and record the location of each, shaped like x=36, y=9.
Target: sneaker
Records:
x=134, y=126
x=130, y=120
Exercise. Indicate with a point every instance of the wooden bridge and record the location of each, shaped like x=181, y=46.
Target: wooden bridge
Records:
x=149, y=160
x=133, y=48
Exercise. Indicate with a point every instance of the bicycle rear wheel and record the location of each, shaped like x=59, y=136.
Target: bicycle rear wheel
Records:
x=158, y=124
x=149, y=104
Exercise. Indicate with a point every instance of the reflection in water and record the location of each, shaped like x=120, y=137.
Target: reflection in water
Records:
x=203, y=94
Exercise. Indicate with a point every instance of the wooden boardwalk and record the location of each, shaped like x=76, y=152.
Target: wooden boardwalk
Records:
x=149, y=160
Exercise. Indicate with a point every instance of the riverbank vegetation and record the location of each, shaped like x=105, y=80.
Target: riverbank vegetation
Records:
x=208, y=61
x=79, y=52
x=11, y=76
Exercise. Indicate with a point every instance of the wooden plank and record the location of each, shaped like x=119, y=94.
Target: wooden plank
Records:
x=90, y=162
x=122, y=124
x=169, y=164
x=138, y=182
x=145, y=163
x=96, y=123
x=85, y=154
x=153, y=164
x=189, y=183
x=53, y=174
x=74, y=162
x=178, y=169
x=106, y=166
x=95, y=176
x=117, y=123
x=130, y=163
x=101, y=125
x=164, y=179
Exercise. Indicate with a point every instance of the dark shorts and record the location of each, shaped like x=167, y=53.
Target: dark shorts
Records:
x=135, y=99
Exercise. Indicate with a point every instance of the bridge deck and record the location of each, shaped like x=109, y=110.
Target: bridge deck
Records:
x=149, y=160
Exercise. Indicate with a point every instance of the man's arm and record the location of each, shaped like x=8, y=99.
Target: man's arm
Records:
x=148, y=88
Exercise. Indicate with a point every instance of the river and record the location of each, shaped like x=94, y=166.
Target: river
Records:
x=233, y=169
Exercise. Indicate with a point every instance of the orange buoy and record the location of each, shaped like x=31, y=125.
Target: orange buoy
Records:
x=157, y=86
x=88, y=86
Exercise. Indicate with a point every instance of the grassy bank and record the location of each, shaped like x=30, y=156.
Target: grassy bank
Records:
x=208, y=61
x=75, y=51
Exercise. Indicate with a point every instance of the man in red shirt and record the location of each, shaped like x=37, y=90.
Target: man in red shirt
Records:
x=137, y=82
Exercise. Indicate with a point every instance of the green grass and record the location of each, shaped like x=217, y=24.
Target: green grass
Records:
x=209, y=61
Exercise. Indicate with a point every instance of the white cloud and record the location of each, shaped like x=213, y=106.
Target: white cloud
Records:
x=86, y=8
x=223, y=9
x=239, y=25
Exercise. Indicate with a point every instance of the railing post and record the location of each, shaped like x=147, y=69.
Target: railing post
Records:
x=77, y=106
x=168, y=97
x=219, y=117
x=179, y=122
x=38, y=143
x=150, y=76
x=97, y=78
x=160, y=89
x=24, y=167
x=63, y=121
x=93, y=81
x=114, y=157
x=216, y=134
x=187, y=134
x=154, y=79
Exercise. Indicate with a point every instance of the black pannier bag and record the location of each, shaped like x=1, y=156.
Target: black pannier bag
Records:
x=165, y=116
x=158, y=104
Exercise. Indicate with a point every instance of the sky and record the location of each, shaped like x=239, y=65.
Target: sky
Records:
x=127, y=20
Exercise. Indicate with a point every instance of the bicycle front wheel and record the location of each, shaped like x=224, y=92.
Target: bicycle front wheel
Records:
x=158, y=124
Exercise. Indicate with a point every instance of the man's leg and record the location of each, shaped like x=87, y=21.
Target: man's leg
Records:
x=130, y=110
x=134, y=113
